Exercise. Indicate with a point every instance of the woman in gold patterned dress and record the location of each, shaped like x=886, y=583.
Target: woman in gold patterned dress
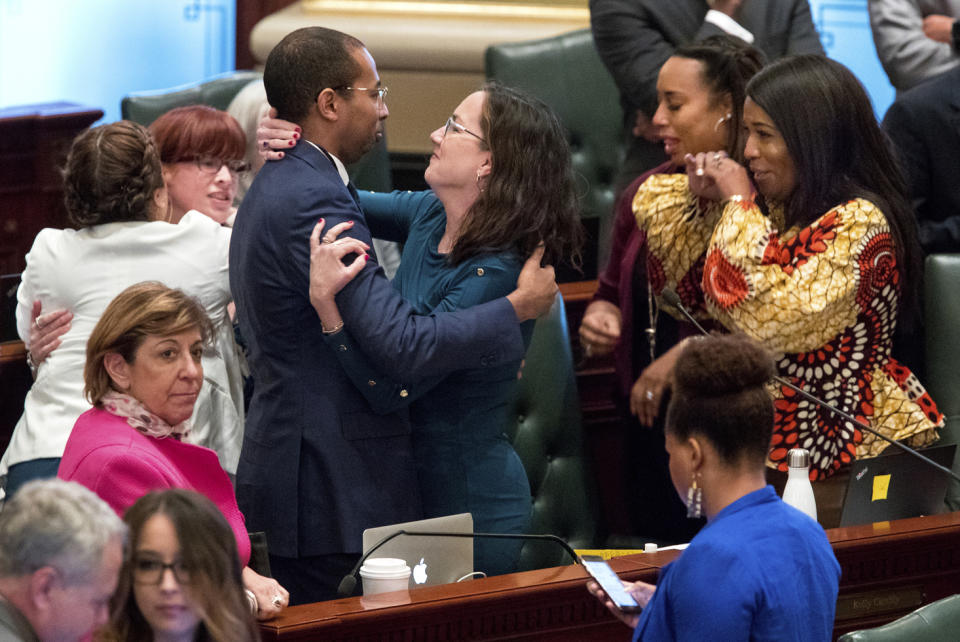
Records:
x=818, y=265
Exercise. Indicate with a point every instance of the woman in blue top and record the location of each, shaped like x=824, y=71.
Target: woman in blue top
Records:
x=759, y=569
x=501, y=185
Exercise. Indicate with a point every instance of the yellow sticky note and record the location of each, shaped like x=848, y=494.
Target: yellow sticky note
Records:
x=881, y=484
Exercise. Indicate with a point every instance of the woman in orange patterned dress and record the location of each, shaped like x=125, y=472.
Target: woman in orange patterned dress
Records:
x=818, y=263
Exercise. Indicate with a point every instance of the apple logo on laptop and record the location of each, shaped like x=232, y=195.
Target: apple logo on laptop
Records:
x=420, y=572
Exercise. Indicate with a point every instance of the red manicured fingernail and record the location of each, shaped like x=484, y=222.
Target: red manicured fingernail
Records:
x=297, y=129
x=281, y=155
x=366, y=257
x=351, y=223
x=296, y=136
x=292, y=143
x=320, y=222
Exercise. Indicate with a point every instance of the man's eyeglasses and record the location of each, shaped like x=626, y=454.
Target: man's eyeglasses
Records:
x=150, y=571
x=212, y=165
x=381, y=92
x=454, y=125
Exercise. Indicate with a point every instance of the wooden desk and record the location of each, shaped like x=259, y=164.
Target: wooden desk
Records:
x=888, y=570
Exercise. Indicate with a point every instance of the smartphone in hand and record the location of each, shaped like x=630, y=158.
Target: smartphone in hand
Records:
x=598, y=568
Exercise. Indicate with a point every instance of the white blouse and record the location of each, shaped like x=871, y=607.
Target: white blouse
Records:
x=82, y=271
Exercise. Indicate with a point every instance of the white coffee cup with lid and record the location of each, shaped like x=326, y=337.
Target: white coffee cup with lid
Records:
x=384, y=574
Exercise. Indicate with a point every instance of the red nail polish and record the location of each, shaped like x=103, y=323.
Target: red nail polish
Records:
x=292, y=143
x=351, y=223
x=297, y=129
x=320, y=222
x=296, y=136
x=366, y=257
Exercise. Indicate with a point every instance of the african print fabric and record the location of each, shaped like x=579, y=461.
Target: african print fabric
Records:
x=823, y=299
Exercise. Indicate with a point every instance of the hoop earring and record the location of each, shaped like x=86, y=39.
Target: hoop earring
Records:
x=721, y=121
x=695, y=498
x=479, y=187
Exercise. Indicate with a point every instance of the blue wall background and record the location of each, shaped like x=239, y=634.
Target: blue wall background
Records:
x=94, y=52
x=844, y=28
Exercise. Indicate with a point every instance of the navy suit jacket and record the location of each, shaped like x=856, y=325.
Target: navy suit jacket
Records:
x=317, y=465
x=924, y=124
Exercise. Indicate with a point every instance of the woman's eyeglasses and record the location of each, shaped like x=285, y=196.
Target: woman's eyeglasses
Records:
x=150, y=571
x=212, y=165
x=455, y=126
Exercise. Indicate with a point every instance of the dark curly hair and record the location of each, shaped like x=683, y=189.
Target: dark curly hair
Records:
x=719, y=393
x=530, y=195
x=111, y=175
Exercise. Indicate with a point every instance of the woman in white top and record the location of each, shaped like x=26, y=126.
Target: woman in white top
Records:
x=115, y=195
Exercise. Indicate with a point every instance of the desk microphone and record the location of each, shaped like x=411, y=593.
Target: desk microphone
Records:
x=672, y=299
x=349, y=582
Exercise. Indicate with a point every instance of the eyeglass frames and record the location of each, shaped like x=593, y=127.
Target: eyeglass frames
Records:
x=454, y=125
x=212, y=165
x=150, y=571
x=381, y=91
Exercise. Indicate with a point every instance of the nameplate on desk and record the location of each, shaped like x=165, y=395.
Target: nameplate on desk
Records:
x=868, y=603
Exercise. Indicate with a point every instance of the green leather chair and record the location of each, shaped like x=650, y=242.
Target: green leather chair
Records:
x=565, y=72
x=936, y=622
x=942, y=324
x=548, y=437
x=371, y=172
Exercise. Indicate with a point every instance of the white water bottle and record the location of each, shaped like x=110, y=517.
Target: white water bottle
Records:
x=799, y=491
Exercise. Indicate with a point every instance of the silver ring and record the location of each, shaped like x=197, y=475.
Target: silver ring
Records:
x=277, y=600
x=36, y=322
x=649, y=395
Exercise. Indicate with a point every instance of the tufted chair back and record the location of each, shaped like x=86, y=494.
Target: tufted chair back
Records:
x=941, y=311
x=371, y=172
x=935, y=622
x=566, y=73
x=547, y=435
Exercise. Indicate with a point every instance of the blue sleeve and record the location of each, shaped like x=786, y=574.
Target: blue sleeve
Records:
x=402, y=344
x=705, y=595
x=389, y=215
x=481, y=281
x=400, y=341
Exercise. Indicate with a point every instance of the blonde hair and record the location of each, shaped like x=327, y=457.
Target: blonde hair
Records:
x=145, y=309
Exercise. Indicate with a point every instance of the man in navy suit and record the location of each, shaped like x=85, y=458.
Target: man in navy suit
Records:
x=317, y=466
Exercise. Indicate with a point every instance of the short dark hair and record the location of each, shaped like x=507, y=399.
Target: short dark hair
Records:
x=530, y=195
x=188, y=133
x=728, y=65
x=719, y=393
x=839, y=153
x=111, y=174
x=303, y=64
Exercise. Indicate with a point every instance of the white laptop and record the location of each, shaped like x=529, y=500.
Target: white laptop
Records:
x=433, y=559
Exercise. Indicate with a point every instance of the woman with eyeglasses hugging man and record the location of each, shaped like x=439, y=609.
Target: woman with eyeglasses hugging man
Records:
x=501, y=185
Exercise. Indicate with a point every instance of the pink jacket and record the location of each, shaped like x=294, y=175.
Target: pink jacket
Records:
x=121, y=464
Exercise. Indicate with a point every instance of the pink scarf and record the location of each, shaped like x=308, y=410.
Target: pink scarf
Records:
x=137, y=415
